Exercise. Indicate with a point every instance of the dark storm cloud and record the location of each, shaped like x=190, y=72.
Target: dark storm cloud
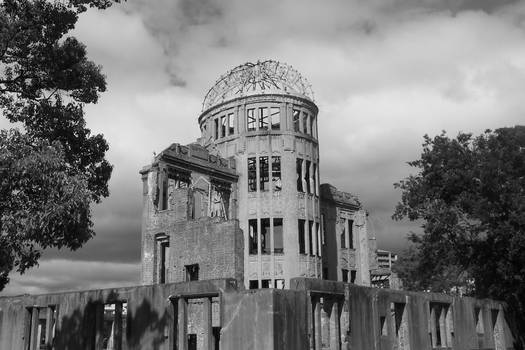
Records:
x=121, y=243
x=451, y=6
x=66, y=275
x=200, y=12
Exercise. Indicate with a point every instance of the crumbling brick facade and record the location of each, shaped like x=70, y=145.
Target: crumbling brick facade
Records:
x=190, y=230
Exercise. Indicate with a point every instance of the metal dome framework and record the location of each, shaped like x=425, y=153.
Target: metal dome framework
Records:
x=263, y=77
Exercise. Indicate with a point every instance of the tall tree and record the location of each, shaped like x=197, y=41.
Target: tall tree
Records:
x=53, y=168
x=469, y=194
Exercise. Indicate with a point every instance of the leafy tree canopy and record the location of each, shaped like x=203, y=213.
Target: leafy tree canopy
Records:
x=53, y=168
x=469, y=195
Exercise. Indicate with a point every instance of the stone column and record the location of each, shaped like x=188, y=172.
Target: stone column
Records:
x=182, y=341
x=50, y=319
x=34, y=341
x=318, y=324
x=207, y=324
x=335, y=327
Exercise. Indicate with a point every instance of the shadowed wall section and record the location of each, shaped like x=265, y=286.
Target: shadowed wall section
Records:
x=220, y=314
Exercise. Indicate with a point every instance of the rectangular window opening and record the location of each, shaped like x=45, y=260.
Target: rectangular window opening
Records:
x=353, y=275
x=301, y=236
x=216, y=337
x=216, y=128
x=42, y=328
x=275, y=116
x=295, y=120
x=265, y=236
x=264, y=180
x=350, y=224
x=163, y=248
x=266, y=283
x=253, y=284
x=192, y=272
x=343, y=238
x=310, y=238
x=323, y=228
x=231, y=124
x=314, y=180
x=192, y=341
x=279, y=284
x=307, y=176
x=252, y=174
x=276, y=173
x=224, y=124
x=344, y=273
x=278, y=245
x=251, y=119
x=319, y=244
x=114, y=325
x=252, y=227
x=164, y=189
x=299, y=168
x=263, y=118
x=305, y=122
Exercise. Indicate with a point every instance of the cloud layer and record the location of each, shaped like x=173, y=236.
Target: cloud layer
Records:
x=384, y=74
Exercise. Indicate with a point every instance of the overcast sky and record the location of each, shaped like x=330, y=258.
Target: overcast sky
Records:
x=384, y=73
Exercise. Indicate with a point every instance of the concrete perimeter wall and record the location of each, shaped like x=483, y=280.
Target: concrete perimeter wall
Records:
x=220, y=314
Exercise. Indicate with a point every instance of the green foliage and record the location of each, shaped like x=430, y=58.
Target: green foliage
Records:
x=54, y=168
x=470, y=197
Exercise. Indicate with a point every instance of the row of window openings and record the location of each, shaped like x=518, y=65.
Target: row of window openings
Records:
x=306, y=176
x=309, y=228
x=348, y=275
x=441, y=326
x=111, y=327
x=263, y=179
x=266, y=283
x=263, y=234
x=264, y=118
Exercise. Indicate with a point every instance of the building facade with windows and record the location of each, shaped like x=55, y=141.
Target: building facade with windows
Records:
x=242, y=208
x=262, y=118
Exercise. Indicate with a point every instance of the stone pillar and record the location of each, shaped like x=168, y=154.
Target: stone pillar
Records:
x=182, y=322
x=310, y=314
x=362, y=260
x=99, y=326
x=34, y=341
x=50, y=319
x=207, y=324
x=117, y=335
x=318, y=324
x=325, y=321
x=432, y=322
x=335, y=327
x=442, y=326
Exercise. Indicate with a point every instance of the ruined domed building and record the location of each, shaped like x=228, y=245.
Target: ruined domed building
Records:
x=245, y=200
x=242, y=248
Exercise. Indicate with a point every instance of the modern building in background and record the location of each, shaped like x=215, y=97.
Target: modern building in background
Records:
x=249, y=188
x=383, y=276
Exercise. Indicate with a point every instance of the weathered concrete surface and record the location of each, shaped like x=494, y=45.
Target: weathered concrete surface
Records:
x=311, y=313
